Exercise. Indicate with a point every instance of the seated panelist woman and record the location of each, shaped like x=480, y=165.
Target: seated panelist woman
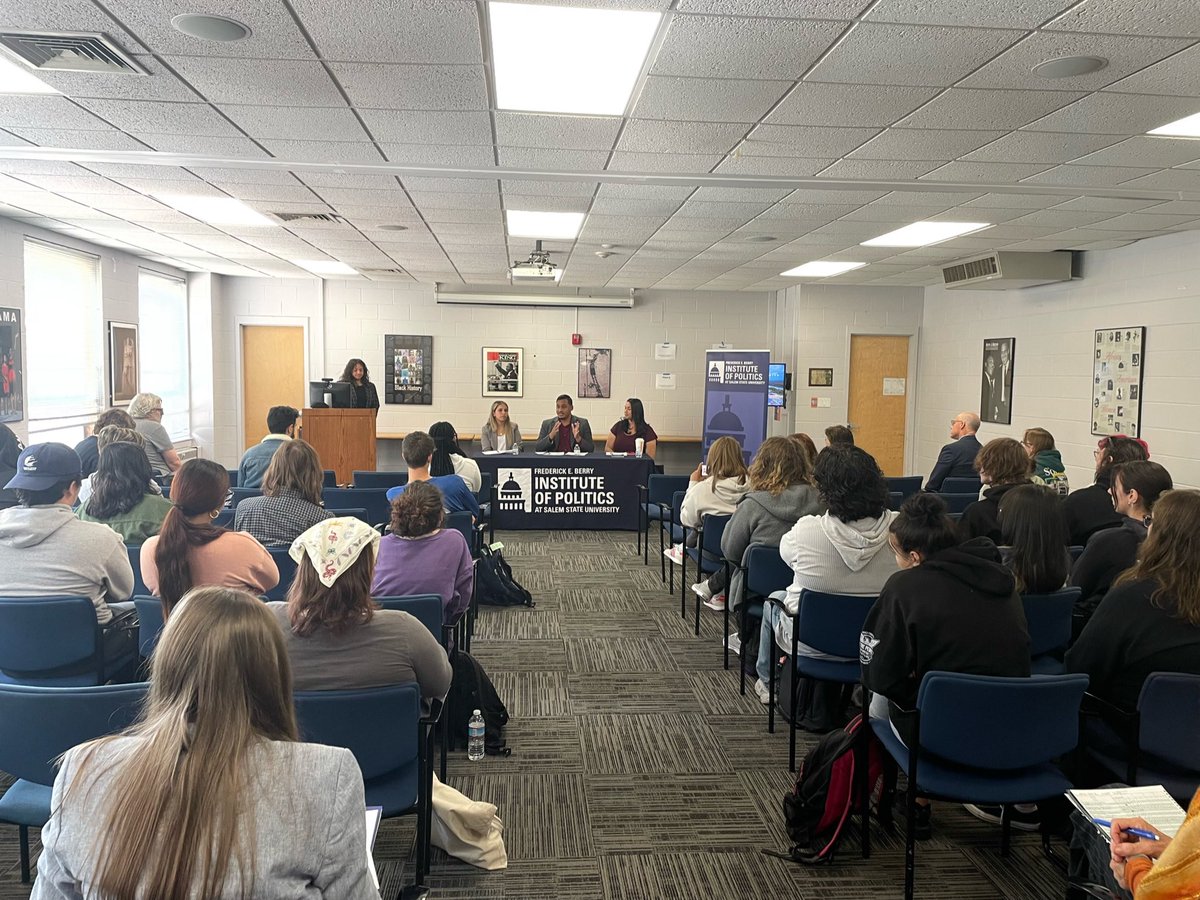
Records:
x=632, y=425
x=499, y=432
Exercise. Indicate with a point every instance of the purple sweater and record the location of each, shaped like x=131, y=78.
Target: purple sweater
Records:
x=439, y=563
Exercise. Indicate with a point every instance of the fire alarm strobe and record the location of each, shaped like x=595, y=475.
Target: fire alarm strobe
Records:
x=576, y=339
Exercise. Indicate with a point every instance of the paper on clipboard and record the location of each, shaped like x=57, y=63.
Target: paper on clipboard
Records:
x=374, y=814
x=1151, y=802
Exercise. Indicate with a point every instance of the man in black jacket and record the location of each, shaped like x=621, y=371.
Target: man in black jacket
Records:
x=957, y=459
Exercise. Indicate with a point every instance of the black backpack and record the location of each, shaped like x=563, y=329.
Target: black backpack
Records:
x=472, y=690
x=817, y=809
x=494, y=581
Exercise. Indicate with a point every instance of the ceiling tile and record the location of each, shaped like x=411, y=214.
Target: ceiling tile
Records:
x=427, y=126
x=812, y=103
x=1144, y=151
x=161, y=84
x=260, y=82
x=1142, y=221
x=645, y=136
x=215, y=174
x=1108, y=113
x=1039, y=147
x=293, y=193
x=295, y=122
x=394, y=30
x=910, y=54
x=707, y=99
x=323, y=151
x=734, y=47
x=552, y=160
x=1060, y=218
x=983, y=172
x=1166, y=17
x=155, y=117
x=804, y=141
x=203, y=145
x=273, y=35
x=901, y=143
x=740, y=164
x=1116, y=205
x=662, y=163
x=651, y=191
x=1011, y=14
x=451, y=185
x=48, y=111
x=1174, y=75
x=323, y=180
x=1166, y=180
x=518, y=187
x=556, y=132
x=879, y=169
x=628, y=207
x=412, y=87
x=78, y=140
x=1088, y=176
x=427, y=201
x=987, y=109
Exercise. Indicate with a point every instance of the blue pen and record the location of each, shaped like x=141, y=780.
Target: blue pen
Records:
x=1136, y=832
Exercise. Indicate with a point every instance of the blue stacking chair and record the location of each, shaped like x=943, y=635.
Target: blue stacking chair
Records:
x=373, y=500
x=238, y=494
x=150, y=624
x=328, y=478
x=766, y=573
x=895, y=499
x=37, y=724
x=351, y=514
x=654, y=505
x=233, y=477
x=707, y=557
x=487, y=488
x=385, y=480
x=1076, y=551
x=1049, y=619
x=980, y=739
x=971, y=485
x=54, y=642
x=135, y=562
x=224, y=519
x=675, y=533
x=385, y=731
x=957, y=503
x=287, y=571
x=471, y=531
x=905, y=485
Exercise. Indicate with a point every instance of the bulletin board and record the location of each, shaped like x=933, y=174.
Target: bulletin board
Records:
x=1120, y=357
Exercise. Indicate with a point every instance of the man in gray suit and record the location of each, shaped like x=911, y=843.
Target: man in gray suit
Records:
x=565, y=431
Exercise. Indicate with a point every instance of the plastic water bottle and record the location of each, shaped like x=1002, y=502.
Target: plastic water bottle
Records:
x=475, y=730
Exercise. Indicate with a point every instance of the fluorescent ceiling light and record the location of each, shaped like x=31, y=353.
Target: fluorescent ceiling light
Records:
x=556, y=59
x=545, y=225
x=922, y=234
x=217, y=210
x=1186, y=127
x=324, y=266
x=821, y=269
x=16, y=79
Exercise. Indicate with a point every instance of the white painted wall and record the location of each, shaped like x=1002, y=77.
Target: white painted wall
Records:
x=1155, y=283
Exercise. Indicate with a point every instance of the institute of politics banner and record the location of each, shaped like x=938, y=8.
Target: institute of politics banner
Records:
x=735, y=398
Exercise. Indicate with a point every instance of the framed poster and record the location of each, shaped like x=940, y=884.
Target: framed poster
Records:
x=12, y=383
x=595, y=372
x=122, y=363
x=820, y=377
x=995, y=401
x=503, y=372
x=409, y=362
x=1117, y=381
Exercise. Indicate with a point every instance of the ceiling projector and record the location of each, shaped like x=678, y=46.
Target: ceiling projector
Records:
x=536, y=270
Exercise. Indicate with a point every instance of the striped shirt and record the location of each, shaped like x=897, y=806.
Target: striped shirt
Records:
x=277, y=521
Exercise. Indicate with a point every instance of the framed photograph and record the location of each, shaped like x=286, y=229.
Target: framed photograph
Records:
x=408, y=361
x=595, y=372
x=820, y=377
x=122, y=363
x=12, y=383
x=1120, y=354
x=996, y=383
x=503, y=372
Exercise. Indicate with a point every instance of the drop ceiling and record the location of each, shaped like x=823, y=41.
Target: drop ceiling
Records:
x=763, y=134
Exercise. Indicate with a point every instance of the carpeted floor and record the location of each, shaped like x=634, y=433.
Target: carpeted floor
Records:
x=638, y=772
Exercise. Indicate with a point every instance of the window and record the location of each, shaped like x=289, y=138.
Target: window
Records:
x=163, y=333
x=64, y=335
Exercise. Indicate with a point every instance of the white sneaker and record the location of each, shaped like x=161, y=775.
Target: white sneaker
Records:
x=702, y=590
x=734, y=644
x=717, y=602
x=675, y=554
x=764, y=692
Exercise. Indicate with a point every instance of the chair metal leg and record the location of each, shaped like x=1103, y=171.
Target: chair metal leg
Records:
x=862, y=747
x=725, y=632
x=696, y=598
x=682, y=584
x=662, y=561
x=910, y=827
x=445, y=749
x=795, y=684
x=23, y=833
x=1005, y=828
x=771, y=690
x=741, y=664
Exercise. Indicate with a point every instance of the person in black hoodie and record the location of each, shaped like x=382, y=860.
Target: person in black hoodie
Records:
x=953, y=607
x=1135, y=488
x=10, y=450
x=1002, y=465
x=1090, y=509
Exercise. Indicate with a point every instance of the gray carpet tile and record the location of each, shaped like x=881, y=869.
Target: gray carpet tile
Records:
x=629, y=692
x=546, y=816
x=636, y=744
x=618, y=655
x=518, y=624
x=539, y=745
x=574, y=601
x=520, y=656
x=746, y=875
x=711, y=689
x=614, y=625
x=533, y=695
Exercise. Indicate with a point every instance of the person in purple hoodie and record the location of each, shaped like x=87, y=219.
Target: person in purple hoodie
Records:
x=422, y=557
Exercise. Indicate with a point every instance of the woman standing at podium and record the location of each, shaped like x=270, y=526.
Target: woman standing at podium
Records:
x=362, y=392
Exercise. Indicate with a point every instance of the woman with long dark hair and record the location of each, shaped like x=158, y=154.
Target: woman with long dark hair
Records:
x=210, y=793
x=449, y=459
x=1090, y=509
x=362, y=392
x=622, y=437
x=121, y=495
x=191, y=551
x=1033, y=538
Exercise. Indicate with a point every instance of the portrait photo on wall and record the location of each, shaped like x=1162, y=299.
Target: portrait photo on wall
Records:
x=12, y=384
x=595, y=372
x=995, y=403
x=408, y=362
x=503, y=372
x=1117, y=381
x=122, y=362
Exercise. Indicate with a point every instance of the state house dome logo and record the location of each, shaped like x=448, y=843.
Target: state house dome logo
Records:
x=516, y=492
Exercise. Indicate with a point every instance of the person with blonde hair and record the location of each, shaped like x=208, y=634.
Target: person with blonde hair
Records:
x=147, y=413
x=117, y=434
x=1002, y=465
x=807, y=447
x=716, y=493
x=210, y=793
x=499, y=432
x=291, y=497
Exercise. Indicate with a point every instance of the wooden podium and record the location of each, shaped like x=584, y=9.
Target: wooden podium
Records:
x=343, y=438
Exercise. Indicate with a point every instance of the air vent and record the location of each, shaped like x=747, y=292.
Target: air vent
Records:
x=326, y=218
x=382, y=274
x=70, y=51
x=976, y=268
x=1004, y=270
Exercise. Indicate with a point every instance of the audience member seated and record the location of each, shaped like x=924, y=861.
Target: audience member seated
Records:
x=210, y=793
x=117, y=434
x=281, y=428
x=951, y=607
x=1048, y=468
x=1149, y=621
x=337, y=637
x=88, y=449
x=781, y=491
x=191, y=551
x=1163, y=869
x=417, y=450
x=566, y=431
x=422, y=557
x=807, y=447
x=622, y=437
x=1003, y=465
x=147, y=413
x=843, y=551
x=449, y=459
x=715, y=494
x=839, y=434
x=499, y=432
x=1090, y=509
x=10, y=450
x=121, y=495
x=1033, y=538
x=1135, y=488
x=46, y=552
x=291, y=499
x=957, y=458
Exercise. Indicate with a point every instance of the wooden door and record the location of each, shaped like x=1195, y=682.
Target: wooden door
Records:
x=272, y=375
x=878, y=410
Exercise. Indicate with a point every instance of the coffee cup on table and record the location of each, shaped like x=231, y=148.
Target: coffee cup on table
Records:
x=639, y=446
